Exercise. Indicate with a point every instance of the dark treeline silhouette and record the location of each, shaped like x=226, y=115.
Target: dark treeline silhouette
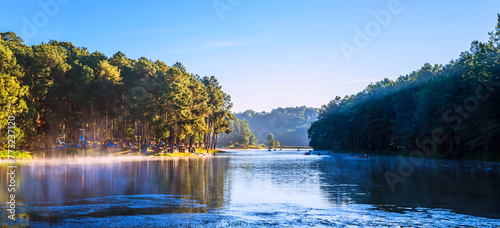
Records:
x=288, y=125
x=456, y=106
x=58, y=91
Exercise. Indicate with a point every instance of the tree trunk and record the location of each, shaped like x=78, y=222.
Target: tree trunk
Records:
x=177, y=141
x=191, y=140
x=215, y=141
x=205, y=145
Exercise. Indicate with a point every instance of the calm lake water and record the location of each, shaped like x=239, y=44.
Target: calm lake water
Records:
x=253, y=188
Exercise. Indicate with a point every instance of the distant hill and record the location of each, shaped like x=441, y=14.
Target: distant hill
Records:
x=288, y=125
x=240, y=135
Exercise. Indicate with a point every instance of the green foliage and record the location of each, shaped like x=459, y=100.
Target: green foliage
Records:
x=253, y=139
x=288, y=125
x=455, y=105
x=19, y=155
x=11, y=90
x=58, y=90
x=270, y=140
x=240, y=134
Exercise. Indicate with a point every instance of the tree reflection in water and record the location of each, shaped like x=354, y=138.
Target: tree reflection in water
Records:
x=105, y=188
x=467, y=187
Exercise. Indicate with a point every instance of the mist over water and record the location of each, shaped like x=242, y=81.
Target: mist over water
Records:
x=252, y=188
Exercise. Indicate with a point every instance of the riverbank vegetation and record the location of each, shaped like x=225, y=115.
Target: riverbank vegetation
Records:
x=60, y=92
x=198, y=152
x=288, y=125
x=240, y=136
x=452, y=109
x=20, y=155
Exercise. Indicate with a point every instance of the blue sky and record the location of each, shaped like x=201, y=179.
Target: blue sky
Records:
x=266, y=54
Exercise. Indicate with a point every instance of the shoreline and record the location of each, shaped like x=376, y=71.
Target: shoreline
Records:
x=71, y=153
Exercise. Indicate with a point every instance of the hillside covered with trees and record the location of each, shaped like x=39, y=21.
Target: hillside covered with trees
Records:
x=240, y=134
x=58, y=91
x=288, y=125
x=453, y=109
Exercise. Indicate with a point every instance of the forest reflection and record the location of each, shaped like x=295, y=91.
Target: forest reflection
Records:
x=467, y=187
x=146, y=186
x=247, y=185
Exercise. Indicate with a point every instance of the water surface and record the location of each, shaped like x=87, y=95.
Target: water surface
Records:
x=254, y=188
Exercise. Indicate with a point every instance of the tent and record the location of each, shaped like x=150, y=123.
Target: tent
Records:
x=110, y=145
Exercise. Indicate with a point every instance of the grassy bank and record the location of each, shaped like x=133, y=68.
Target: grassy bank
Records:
x=73, y=152
x=244, y=147
x=265, y=147
x=294, y=147
x=198, y=151
x=18, y=155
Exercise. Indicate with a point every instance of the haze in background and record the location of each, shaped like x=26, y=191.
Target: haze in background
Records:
x=288, y=125
x=266, y=54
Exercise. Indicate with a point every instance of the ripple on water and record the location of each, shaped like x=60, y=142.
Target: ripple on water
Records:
x=174, y=211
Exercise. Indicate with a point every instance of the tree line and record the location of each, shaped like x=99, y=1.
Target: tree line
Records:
x=240, y=134
x=59, y=91
x=456, y=106
x=287, y=125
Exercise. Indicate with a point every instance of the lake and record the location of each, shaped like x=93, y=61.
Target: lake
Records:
x=253, y=188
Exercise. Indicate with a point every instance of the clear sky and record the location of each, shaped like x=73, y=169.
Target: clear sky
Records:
x=266, y=54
